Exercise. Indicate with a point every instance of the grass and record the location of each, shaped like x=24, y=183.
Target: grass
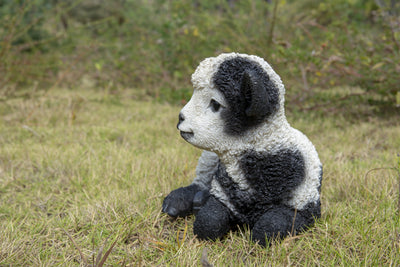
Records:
x=155, y=45
x=86, y=172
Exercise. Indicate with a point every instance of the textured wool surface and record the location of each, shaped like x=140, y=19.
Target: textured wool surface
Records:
x=254, y=162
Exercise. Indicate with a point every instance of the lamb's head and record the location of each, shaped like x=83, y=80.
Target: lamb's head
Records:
x=233, y=94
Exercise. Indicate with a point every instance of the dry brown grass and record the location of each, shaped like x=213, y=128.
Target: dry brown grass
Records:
x=93, y=167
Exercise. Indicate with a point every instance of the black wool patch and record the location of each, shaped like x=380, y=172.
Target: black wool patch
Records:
x=274, y=175
x=271, y=177
x=229, y=80
x=213, y=220
x=242, y=200
x=280, y=220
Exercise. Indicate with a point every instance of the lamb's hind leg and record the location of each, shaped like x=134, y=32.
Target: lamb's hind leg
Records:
x=213, y=220
x=277, y=222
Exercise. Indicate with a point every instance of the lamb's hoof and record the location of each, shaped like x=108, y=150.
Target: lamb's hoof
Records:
x=199, y=200
x=179, y=203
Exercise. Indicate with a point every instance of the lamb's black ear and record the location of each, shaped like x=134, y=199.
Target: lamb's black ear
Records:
x=255, y=93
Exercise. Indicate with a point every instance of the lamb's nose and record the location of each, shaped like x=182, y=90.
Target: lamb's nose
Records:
x=181, y=119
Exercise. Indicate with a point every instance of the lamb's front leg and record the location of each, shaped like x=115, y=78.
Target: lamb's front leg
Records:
x=179, y=203
x=188, y=200
x=213, y=220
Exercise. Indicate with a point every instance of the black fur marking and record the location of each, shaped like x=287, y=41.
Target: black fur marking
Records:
x=239, y=79
x=213, y=220
x=275, y=175
x=271, y=177
x=242, y=200
x=277, y=222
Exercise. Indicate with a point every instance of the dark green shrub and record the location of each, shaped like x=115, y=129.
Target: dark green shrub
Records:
x=153, y=46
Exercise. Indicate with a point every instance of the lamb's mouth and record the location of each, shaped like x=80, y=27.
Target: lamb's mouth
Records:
x=187, y=135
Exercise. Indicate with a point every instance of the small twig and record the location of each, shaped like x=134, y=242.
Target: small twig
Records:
x=103, y=260
x=7, y=41
x=308, y=33
x=77, y=247
x=272, y=25
x=305, y=82
x=398, y=172
x=393, y=33
x=100, y=252
x=377, y=169
x=315, y=24
x=26, y=127
x=390, y=18
x=292, y=233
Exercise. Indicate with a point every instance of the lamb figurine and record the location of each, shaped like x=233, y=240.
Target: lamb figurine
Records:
x=255, y=169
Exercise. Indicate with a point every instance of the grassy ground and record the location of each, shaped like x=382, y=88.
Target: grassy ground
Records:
x=84, y=172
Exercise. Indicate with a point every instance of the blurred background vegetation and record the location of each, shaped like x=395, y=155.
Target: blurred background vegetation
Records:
x=337, y=56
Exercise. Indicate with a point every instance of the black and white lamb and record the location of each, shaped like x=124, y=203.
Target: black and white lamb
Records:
x=255, y=169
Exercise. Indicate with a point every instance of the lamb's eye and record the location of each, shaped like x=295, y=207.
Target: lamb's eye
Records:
x=215, y=106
